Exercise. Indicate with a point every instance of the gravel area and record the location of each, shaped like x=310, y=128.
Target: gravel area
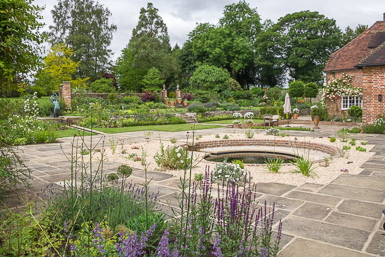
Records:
x=349, y=161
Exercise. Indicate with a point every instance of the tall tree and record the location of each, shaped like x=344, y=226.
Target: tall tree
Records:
x=231, y=43
x=305, y=41
x=58, y=67
x=19, y=40
x=349, y=34
x=148, y=47
x=83, y=25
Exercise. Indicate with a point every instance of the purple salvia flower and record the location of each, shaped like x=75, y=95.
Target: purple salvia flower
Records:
x=217, y=249
x=163, y=250
x=264, y=252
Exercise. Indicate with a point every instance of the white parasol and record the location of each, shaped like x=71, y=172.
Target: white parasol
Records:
x=287, y=106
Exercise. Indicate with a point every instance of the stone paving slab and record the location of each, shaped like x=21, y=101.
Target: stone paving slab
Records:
x=361, y=181
x=313, y=211
x=351, y=221
x=353, y=192
x=155, y=176
x=316, y=198
x=305, y=248
x=281, y=202
x=274, y=188
x=365, y=209
x=325, y=232
x=310, y=187
x=377, y=244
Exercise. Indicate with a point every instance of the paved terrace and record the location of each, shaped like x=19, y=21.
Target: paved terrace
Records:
x=342, y=218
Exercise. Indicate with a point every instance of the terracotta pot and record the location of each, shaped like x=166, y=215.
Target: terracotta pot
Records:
x=185, y=103
x=172, y=103
x=295, y=116
x=249, y=125
x=237, y=125
x=179, y=101
x=316, y=122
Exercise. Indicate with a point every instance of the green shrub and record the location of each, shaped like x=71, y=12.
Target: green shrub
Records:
x=197, y=107
x=311, y=90
x=360, y=148
x=273, y=164
x=271, y=110
x=203, y=96
x=332, y=139
x=355, y=112
x=304, y=166
x=173, y=157
x=231, y=108
x=296, y=88
x=102, y=85
x=322, y=113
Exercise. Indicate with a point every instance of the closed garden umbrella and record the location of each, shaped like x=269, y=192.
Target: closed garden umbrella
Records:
x=287, y=107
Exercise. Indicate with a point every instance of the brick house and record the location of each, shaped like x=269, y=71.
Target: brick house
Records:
x=363, y=58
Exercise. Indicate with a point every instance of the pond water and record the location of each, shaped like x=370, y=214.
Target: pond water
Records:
x=250, y=157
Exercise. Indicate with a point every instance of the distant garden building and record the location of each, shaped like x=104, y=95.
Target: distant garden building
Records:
x=363, y=59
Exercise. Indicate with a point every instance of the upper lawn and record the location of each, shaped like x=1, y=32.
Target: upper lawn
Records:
x=166, y=128
x=228, y=121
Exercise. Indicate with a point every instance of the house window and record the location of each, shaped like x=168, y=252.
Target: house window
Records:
x=348, y=101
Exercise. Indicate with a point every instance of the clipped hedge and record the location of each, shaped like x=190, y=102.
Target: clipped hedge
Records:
x=271, y=110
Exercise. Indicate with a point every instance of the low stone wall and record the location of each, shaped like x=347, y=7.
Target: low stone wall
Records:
x=266, y=142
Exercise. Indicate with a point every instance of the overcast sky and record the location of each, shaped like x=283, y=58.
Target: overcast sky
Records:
x=181, y=16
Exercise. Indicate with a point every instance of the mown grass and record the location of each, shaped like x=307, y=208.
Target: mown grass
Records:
x=165, y=128
x=227, y=121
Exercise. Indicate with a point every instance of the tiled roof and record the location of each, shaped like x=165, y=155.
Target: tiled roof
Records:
x=375, y=58
x=365, y=50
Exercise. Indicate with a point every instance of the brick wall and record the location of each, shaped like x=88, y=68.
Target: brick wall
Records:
x=65, y=93
x=334, y=106
x=373, y=84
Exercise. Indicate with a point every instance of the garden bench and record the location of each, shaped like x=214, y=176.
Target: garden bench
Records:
x=271, y=119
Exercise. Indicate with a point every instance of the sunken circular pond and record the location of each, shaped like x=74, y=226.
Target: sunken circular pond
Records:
x=256, y=151
x=256, y=157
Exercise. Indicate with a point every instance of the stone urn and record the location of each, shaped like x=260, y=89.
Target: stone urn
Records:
x=316, y=122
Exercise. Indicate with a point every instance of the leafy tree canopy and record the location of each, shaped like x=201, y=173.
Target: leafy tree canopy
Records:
x=296, y=88
x=149, y=47
x=230, y=44
x=58, y=67
x=83, y=25
x=19, y=40
x=349, y=34
x=210, y=78
x=152, y=81
x=304, y=41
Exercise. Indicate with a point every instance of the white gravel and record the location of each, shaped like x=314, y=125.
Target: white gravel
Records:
x=349, y=162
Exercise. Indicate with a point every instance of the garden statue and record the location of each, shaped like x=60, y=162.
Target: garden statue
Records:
x=56, y=107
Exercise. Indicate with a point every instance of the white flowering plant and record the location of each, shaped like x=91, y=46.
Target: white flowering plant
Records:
x=248, y=115
x=296, y=110
x=173, y=157
x=25, y=128
x=339, y=87
x=237, y=115
x=229, y=172
x=273, y=131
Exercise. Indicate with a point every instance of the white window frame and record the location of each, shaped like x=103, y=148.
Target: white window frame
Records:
x=348, y=101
